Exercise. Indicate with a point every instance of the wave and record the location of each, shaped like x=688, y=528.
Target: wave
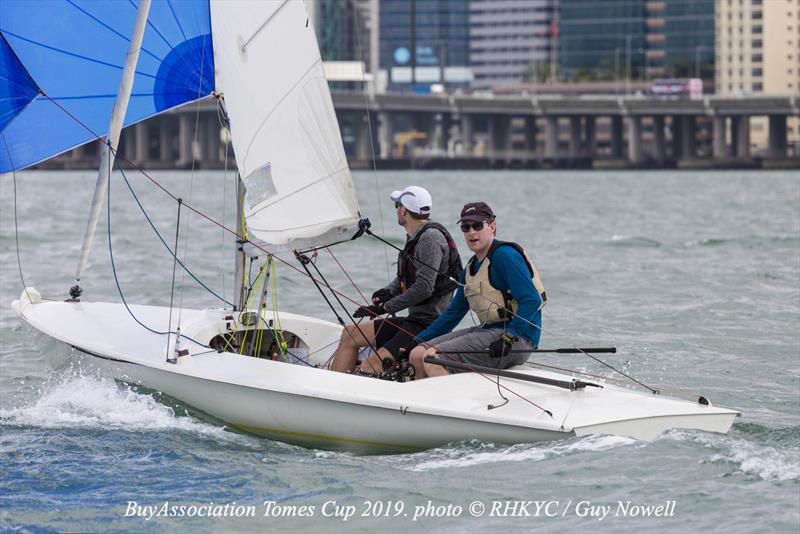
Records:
x=632, y=241
x=751, y=240
x=76, y=400
x=450, y=457
x=751, y=458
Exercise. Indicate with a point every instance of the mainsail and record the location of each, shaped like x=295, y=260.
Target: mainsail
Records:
x=283, y=127
x=73, y=53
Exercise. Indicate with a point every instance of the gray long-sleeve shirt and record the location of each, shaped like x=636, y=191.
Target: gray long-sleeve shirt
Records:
x=431, y=251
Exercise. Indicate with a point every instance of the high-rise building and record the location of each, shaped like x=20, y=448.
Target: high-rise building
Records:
x=510, y=41
x=758, y=52
x=758, y=47
x=424, y=42
x=635, y=39
x=343, y=28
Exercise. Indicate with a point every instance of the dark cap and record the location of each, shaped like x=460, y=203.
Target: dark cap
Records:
x=476, y=212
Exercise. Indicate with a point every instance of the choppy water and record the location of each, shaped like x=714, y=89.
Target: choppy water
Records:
x=694, y=276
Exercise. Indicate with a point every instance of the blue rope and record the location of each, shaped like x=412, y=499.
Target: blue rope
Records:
x=171, y=252
x=116, y=280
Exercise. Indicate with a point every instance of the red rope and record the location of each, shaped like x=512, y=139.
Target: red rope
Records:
x=347, y=275
x=222, y=226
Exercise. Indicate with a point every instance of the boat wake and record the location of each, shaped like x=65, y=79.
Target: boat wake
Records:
x=747, y=456
x=74, y=399
x=487, y=453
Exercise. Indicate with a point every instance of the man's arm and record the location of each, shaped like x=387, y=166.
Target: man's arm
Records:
x=512, y=270
x=427, y=259
x=450, y=317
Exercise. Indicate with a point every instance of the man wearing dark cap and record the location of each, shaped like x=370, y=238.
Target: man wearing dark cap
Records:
x=502, y=287
x=423, y=285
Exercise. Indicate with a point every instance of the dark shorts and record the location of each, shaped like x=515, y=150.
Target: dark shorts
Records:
x=396, y=333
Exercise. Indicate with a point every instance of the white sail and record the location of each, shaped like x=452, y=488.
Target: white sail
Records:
x=283, y=127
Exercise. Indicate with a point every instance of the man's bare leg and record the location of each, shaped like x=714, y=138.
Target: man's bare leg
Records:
x=374, y=362
x=353, y=338
x=415, y=357
x=422, y=369
x=431, y=369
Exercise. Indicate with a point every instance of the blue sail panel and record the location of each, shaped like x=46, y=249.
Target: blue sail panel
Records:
x=17, y=89
x=74, y=51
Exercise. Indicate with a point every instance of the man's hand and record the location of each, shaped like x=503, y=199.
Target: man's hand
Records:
x=369, y=311
x=381, y=296
x=502, y=347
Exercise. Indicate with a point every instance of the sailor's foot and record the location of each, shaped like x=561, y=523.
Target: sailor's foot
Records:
x=358, y=371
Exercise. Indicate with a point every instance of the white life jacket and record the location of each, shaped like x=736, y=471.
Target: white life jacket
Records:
x=489, y=303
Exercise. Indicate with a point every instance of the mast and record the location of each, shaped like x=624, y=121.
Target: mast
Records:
x=114, y=129
x=238, y=276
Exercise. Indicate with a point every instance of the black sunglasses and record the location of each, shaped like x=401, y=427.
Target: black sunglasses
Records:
x=477, y=226
x=397, y=205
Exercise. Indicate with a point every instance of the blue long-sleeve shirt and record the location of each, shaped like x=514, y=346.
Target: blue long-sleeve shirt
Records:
x=508, y=270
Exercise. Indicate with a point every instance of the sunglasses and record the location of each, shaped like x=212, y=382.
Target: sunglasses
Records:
x=477, y=226
x=397, y=205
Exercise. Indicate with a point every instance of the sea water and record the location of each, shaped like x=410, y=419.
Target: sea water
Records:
x=693, y=276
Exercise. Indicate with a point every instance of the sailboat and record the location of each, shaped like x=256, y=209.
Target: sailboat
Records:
x=264, y=372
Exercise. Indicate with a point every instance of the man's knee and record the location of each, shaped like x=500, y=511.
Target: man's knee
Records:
x=417, y=353
x=352, y=336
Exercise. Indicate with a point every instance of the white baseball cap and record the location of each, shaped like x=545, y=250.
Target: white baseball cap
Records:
x=414, y=198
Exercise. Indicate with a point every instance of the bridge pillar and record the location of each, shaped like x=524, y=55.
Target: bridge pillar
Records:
x=500, y=135
x=741, y=136
x=676, y=131
x=777, y=136
x=212, y=139
x=530, y=135
x=719, y=148
x=362, y=149
x=659, y=145
x=184, y=140
x=574, y=136
x=590, y=133
x=142, y=144
x=466, y=134
x=551, y=137
x=616, y=136
x=634, y=139
x=385, y=134
x=164, y=141
x=688, y=134
x=446, y=125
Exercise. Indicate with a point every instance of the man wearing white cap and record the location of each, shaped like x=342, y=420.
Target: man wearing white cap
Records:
x=426, y=268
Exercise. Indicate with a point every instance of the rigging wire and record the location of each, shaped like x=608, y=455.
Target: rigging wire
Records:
x=348, y=276
x=116, y=279
x=191, y=185
x=222, y=225
x=371, y=138
x=16, y=221
x=540, y=328
x=161, y=238
x=224, y=128
x=172, y=288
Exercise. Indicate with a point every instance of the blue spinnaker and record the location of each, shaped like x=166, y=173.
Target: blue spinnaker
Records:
x=74, y=52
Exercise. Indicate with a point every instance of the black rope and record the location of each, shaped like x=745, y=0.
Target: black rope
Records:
x=116, y=278
x=174, y=268
x=304, y=261
x=158, y=234
x=575, y=349
x=16, y=221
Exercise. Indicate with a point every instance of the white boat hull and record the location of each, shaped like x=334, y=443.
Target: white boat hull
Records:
x=315, y=407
